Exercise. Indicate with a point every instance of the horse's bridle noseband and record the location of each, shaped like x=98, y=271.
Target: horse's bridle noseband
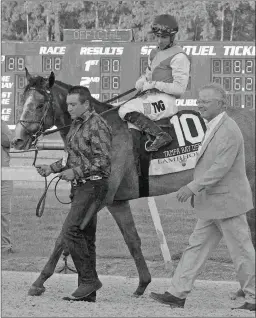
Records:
x=49, y=103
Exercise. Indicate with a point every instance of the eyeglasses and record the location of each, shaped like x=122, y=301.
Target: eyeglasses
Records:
x=163, y=36
x=207, y=102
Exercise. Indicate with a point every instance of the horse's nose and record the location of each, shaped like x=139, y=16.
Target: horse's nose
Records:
x=17, y=143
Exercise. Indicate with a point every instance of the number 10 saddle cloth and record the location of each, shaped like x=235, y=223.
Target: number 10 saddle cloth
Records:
x=187, y=128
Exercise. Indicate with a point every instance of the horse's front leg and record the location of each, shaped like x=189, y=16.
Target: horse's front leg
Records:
x=121, y=212
x=37, y=287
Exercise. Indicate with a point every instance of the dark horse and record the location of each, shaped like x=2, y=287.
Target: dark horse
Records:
x=45, y=106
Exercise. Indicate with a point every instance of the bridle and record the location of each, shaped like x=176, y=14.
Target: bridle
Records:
x=49, y=104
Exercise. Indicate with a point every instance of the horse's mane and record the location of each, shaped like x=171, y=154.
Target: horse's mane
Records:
x=97, y=102
x=63, y=85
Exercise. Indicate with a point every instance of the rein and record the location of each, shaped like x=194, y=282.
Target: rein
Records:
x=41, y=204
x=39, y=208
x=39, y=212
x=49, y=132
x=30, y=150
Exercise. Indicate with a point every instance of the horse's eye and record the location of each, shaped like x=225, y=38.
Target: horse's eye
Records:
x=40, y=106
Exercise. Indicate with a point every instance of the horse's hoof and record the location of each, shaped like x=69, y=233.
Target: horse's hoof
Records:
x=140, y=290
x=176, y=256
x=234, y=296
x=36, y=291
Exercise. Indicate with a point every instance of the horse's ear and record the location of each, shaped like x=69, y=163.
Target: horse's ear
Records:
x=51, y=79
x=28, y=76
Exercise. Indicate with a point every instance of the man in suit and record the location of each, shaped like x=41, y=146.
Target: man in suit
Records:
x=221, y=196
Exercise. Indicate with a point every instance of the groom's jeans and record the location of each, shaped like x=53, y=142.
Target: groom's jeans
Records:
x=81, y=243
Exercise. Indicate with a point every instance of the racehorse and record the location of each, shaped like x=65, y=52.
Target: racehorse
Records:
x=44, y=106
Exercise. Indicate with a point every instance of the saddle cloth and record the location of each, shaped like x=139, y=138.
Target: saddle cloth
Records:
x=187, y=129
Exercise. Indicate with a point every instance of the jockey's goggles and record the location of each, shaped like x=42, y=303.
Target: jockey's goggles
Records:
x=162, y=30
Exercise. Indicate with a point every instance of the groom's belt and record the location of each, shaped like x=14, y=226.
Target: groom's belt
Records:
x=81, y=181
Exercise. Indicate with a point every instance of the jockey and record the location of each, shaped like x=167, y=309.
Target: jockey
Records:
x=166, y=79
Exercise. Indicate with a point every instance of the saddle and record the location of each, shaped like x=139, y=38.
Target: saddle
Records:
x=143, y=158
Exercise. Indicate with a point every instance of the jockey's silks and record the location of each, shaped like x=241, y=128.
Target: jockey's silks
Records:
x=169, y=66
x=160, y=63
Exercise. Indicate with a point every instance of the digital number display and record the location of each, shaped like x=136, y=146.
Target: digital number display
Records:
x=227, y=83
x=237, y=100
x=51, y=63
x=110, y=77
x=229, y=99
x=114, y=95
x=237, y=66
x=232, y=66
x=110, y=65
x=216, y=66
x=235, y=83
x=21, y=81
x=14, y=63
x=110, y=82
x=248, y=101
x=249, y=66
x=237, y=77
x=249, y=83
x=143, y=65
x=216, y=79
x=105, y=96
x=18, y=98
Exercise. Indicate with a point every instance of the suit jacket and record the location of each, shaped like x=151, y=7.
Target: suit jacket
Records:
x=221, y=188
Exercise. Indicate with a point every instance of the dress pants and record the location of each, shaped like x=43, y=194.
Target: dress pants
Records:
x=205, y=238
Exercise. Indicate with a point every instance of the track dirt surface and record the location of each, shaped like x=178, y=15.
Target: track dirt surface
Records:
x=114, y=299
x=34, y=239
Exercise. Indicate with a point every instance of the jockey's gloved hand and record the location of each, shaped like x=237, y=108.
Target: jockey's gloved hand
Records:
x=148, y=85
x=140, y=82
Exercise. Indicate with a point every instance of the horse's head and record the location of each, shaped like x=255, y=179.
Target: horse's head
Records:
x=38, y=110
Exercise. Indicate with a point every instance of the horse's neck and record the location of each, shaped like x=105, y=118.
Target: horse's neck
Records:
x=100, y=107
x=62, y=117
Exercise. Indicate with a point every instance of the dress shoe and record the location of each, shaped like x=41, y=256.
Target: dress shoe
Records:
x=237, y=294
x=85, y=289
x=247, y=306
x=168, y=299
x=89, y=299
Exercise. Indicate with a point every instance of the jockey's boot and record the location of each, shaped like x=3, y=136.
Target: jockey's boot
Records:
x=147, y=125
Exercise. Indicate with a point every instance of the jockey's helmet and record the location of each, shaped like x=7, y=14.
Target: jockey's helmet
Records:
x=164, y=25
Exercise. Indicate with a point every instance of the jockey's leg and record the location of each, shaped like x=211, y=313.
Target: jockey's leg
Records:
x=143, y=111
x=147, y=125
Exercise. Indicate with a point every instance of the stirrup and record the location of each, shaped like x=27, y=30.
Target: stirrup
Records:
x=148, y=143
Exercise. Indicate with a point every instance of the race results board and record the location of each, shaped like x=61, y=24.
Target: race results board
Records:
x=110, y=68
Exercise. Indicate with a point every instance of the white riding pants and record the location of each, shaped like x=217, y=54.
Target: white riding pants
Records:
x=154, y=106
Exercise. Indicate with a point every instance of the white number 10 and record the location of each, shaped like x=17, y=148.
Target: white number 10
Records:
x=181, y=126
